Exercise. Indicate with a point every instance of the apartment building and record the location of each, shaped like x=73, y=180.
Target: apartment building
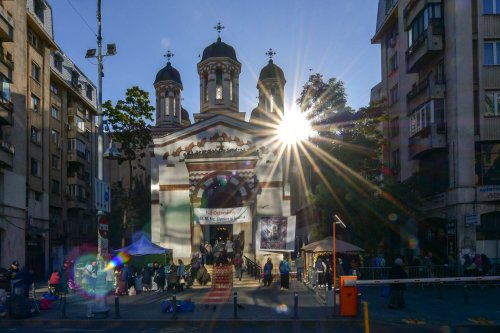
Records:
x=47, y=142
x=440, y=85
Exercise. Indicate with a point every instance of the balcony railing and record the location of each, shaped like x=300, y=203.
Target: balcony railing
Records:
x=429, y=42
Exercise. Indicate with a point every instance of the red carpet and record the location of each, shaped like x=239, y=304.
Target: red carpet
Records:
x=217, y=296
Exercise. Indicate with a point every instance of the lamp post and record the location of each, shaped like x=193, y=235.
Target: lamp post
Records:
x=335, y=222
x=102, y=245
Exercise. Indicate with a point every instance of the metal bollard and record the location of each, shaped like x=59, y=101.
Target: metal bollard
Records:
x=117, y=307
x=296, y=305
x=466, y=295
x=174, y=306
x=63, y=306
x=235, y=305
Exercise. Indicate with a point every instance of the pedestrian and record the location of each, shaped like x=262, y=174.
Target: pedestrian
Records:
x=320, y=270
x=181, y=276
x=237, y=245
x=397, y=289
x=172, y=280
x=147, y=277
x=299, y=264
x=203, y=277
x=268, y=272
x=210, y=255
x=204, y=252
x=238, y=265
x=284, y=274
x=229, y=249
x=328, y=274
x=486, y=264
x=160, y=278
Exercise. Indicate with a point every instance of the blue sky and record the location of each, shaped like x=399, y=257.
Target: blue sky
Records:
x=331, y=37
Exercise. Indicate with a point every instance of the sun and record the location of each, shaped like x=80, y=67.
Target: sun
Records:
x=294, y=128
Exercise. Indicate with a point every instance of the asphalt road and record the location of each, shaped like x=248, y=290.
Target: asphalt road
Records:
x=262, y=327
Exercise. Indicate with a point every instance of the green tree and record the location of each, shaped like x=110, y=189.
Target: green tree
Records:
x=127, y=121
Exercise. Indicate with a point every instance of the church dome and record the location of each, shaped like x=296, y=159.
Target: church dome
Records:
x=219, y=49
x=168, y=73
x=185, y=115
x=271, y=71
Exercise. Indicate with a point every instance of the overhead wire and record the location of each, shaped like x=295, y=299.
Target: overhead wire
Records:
x=83, y=19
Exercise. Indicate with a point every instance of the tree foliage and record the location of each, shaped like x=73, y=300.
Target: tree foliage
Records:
x=128, y=125
x=347, y=166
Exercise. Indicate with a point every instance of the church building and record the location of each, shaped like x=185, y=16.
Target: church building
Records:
x=216, y=178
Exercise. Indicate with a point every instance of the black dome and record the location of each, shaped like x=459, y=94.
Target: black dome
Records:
x=219, y=49
x=168, y=73
x=271, y=71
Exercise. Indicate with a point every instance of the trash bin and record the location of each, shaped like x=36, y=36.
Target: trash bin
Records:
x=348, y=296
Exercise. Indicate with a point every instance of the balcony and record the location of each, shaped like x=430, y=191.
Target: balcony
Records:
x=432, y=87
x=414, y=8
x=78, y=179
x=76, y=157
x=6, y=26
x=77, y=202
x=426, y=46
x=427, y=140
x=6, y=110
x=7, y=151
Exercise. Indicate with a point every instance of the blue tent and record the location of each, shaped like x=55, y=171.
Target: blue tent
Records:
x=142, y=246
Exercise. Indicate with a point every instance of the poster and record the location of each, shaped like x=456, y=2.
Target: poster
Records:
x=277, y=233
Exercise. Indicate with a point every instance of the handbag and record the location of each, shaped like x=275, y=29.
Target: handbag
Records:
x=182, y=280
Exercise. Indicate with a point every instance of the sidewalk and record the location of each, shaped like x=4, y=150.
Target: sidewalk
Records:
x=269, y=304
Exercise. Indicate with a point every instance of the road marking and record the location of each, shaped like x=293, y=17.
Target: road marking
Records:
x=413, y=321
x=481, y=321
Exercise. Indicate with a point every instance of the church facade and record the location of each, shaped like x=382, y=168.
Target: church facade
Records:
x=214, y=179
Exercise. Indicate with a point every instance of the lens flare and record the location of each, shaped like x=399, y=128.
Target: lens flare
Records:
x=281, y=309
x=120, y=259
x=393, y=217
x=294, y=128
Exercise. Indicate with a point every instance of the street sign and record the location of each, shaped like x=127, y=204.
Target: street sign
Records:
x=102, y=196
x=103, y=226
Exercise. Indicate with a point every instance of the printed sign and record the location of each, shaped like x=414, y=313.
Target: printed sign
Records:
x=215, y=216
x=277, y=233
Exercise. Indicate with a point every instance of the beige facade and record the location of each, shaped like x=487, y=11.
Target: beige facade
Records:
x=43, y=93
x=440, y=86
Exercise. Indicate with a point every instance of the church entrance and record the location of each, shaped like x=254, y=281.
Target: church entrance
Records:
x=221, y=194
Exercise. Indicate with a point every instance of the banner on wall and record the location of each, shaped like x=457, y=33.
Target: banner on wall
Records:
x=215, y=216
x=276, y=233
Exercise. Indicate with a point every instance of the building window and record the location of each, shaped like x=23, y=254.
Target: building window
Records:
x=423, y=117
x=35, y=135
x=205, y=88
x=491, y=103
x=80, y=124
x=33, y=39
x=55, y=186
x=39, y=9
x=491, y=6
x=35, y=72
x=492, y=52
x=231, y=87
x=74, y=79
x=54, y=136
x=394, y=129
x=35, y=103
x=394, y=94
x=35, y=167
x=58, y=62
x=56, y=162
x=488, y=163
x=420, y=24
x=393, y=63
x=218, y=84
x=54, y=88
x=6, y=96
x=89, y=91
x=54, y=112
x=395, y=164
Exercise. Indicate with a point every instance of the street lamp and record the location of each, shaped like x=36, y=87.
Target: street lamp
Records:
x=102, y=245
x=342, y=224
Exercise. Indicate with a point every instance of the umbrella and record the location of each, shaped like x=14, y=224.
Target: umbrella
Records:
x=326, y=245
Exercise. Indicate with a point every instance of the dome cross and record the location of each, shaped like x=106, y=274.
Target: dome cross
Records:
x=219, y=27
x=169, y=55
x=270, y=54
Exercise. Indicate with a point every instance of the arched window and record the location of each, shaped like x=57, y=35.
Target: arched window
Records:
x=271, y=100
x=218, y=84
x=163, y=108
x=231, y=87
x=172, y=102
x=167, y=104
x=205, y=87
